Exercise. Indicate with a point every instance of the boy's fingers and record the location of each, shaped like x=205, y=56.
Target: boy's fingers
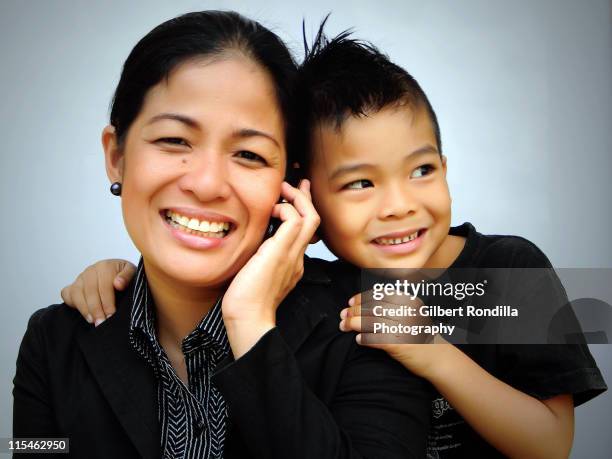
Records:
x=125, y=275
x=91, y=292
x=106, y=292
x=355, y=300
x=78, y=300
x=66, y=296
x=379, y=326
x=374, y=341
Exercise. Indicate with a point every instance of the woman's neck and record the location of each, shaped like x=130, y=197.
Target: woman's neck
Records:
x=179, y=308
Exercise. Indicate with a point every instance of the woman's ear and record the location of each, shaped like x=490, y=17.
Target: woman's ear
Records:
x=113, y=156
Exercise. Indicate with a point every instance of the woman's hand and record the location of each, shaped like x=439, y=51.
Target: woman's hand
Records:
x=250, y=302
x=422, y=359
x=92, y=292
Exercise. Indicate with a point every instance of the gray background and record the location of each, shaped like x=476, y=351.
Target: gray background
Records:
x=523, y=91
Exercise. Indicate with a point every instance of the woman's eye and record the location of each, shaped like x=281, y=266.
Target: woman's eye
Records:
x=358, y=185
x=173, y=141
x=251, y=157
x=422, y=171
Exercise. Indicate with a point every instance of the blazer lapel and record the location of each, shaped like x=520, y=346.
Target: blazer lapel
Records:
x=126, y=379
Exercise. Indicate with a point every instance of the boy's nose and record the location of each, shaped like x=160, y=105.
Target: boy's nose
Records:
x=206, y=176
x=396, y=202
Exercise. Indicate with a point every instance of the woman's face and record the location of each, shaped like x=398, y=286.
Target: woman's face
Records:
x=201, y=169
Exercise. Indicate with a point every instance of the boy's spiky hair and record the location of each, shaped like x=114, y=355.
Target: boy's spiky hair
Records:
x=344, y=76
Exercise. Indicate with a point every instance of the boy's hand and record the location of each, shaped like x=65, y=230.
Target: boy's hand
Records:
x=92, y=292
x=422, y=359
x=250, y=302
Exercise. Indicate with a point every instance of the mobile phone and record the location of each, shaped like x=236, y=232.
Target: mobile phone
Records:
x=292, y=177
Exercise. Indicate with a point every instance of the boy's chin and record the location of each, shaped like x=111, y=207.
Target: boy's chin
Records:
x=413, y=261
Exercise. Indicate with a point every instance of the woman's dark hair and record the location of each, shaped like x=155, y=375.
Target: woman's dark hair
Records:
x=200, y=34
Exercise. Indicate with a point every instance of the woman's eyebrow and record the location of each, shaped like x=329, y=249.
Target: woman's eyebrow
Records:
x=247, y=132
x=242, y=133
x=176, y=117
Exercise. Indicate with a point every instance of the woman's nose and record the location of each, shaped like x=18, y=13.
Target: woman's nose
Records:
x=206, y=176
x=397, y=202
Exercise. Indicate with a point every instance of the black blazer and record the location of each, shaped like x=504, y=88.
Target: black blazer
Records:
x=304, y=390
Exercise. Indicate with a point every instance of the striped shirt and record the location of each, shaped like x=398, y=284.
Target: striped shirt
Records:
x=192, y=417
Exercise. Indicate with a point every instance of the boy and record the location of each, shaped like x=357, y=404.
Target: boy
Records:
x=378, y=178
x=379, y=184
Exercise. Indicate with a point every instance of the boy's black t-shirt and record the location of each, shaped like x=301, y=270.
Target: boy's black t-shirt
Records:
x=540, y=370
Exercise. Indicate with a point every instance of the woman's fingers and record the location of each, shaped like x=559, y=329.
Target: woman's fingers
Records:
x=299, y=219
x=288, y=231
x=301, y=201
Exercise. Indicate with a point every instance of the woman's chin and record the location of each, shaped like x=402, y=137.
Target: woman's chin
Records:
x=190, y=271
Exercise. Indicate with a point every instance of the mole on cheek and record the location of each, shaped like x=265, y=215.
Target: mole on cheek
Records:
x=184, y=161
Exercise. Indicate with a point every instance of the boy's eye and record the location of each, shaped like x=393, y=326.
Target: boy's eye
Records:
x=173, y=141
x=251, y=157
x=358, y=185
x=422, y=171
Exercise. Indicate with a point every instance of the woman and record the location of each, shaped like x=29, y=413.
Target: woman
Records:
x=198, y=361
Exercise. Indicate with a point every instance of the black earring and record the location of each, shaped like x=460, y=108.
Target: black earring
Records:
x=116, y=189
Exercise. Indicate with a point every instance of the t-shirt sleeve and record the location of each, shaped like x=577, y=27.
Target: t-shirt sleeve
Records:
x=546, y=370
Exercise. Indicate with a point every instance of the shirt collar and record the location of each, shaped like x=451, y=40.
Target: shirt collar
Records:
x=210, y=332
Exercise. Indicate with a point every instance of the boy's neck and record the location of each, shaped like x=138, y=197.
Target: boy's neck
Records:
x=447, y=253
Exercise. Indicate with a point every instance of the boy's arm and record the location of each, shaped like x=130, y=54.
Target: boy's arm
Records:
x=518, y=425
x=93, y=291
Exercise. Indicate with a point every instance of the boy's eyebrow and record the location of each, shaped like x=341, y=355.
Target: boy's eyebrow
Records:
x=350, y=168
x=426, y=149
x=423, y=150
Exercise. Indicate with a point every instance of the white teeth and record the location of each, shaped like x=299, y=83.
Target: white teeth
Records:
x=195, y=226
x=394, y=241
x=204, y=226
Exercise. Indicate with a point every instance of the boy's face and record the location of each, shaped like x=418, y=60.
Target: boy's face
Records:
x=379, y=184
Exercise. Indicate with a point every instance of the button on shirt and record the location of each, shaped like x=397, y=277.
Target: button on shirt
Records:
x=192, y=417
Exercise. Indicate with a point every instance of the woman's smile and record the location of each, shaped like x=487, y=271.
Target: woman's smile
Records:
x=198, y=229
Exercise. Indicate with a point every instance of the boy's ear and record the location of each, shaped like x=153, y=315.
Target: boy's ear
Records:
x=113, y=156
x=444, y=164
